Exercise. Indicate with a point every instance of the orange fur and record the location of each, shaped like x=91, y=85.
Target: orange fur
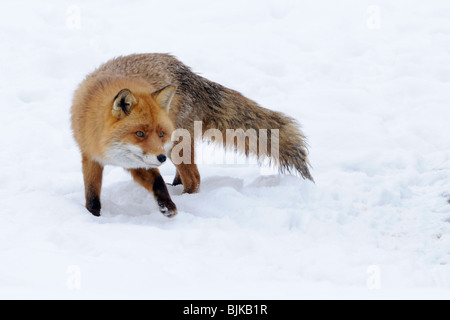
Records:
x=122, y=121
x=94, y=125
x=115, y=101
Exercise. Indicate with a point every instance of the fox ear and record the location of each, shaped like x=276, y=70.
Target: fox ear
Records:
x=123, y=103
x=164, y=96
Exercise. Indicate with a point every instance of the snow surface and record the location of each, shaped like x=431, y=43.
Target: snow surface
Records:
x=368, y=80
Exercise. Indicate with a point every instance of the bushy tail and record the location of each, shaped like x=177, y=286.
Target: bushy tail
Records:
x=231, y=110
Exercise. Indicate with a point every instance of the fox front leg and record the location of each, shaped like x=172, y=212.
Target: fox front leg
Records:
x=92, y=174
x=152, y=181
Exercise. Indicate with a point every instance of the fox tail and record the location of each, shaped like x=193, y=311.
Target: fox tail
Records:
x=230, y=109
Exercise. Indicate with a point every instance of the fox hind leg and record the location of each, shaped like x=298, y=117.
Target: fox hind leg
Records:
x=189, y=176
x=177, y=179
x=187, y=171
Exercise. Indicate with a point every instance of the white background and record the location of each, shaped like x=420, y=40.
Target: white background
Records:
x=370, y=86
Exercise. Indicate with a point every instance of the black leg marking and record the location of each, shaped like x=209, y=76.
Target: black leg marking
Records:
x=177, y=179
x=93, y=203
x=166, y=206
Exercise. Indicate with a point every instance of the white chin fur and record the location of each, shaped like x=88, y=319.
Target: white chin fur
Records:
x=129, y=156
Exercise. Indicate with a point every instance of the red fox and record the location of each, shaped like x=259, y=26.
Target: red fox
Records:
x=124, y=113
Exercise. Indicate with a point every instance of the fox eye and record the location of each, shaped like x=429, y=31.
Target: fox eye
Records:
x=140, y=134
x=161, y=134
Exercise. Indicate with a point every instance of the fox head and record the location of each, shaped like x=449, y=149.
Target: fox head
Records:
x=140, y=129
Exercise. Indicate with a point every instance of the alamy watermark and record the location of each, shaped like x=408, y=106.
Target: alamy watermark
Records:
x=74, y=279
x=374, y=20
x=253, y=143
x=374, y=280
x=73, y=21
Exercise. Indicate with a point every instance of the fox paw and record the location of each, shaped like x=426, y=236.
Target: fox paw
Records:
x=93, y=205
x=167, y=208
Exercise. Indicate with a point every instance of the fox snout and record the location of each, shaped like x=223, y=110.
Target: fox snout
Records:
x=161, y=158
x=130, y=156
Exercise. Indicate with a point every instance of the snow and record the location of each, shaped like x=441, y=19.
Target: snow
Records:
x=369, y=82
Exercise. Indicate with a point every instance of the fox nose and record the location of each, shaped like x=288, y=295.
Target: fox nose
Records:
x=161, y=158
